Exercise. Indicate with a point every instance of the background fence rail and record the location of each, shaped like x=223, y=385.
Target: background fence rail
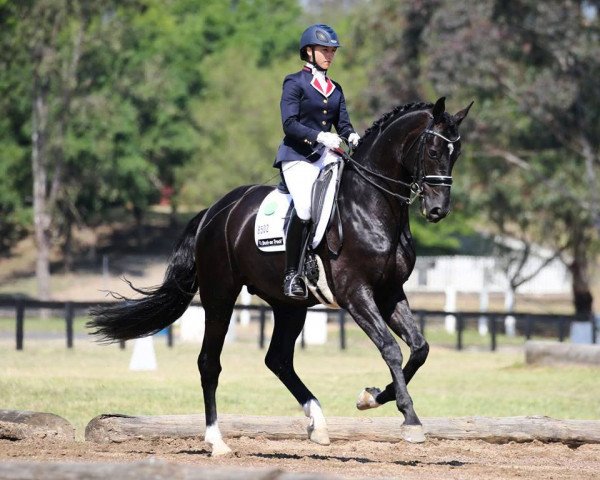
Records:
x=560, y=323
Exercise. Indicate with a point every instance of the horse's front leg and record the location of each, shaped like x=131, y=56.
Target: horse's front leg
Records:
x=402, y=322
x=365, y=312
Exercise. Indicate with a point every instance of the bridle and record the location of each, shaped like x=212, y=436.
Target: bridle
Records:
x=439, y=180
x=416, y=185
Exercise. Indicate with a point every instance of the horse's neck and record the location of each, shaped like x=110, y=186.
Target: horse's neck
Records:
x=393, y=152
x=363, y=201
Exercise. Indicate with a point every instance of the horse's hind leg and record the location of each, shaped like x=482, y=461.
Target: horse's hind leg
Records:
x=217, y=316
x=289, y=321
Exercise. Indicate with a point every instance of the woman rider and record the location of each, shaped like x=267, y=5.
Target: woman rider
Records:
x=311, y=104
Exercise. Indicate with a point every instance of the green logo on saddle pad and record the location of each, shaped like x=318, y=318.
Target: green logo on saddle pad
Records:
x=269, y=208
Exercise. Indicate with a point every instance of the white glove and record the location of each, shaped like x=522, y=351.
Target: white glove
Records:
x=330, y=140
x=353, y=139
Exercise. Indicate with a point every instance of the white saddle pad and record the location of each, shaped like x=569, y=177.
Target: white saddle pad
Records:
x=269, y=235
x=268, y=227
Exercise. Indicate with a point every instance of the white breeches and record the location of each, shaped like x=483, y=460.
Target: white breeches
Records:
x=299, y=177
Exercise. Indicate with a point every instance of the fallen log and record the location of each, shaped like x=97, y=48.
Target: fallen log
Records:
x=154, y=469
x=120, y=428
x=553, y=353
x=20, y=425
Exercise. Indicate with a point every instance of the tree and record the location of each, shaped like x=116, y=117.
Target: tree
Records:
x=49, y=42
x=536, y=65
x=111, y=110
x=532, y=68
x=54, y=45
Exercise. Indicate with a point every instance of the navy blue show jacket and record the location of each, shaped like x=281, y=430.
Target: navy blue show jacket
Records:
x=306, y=112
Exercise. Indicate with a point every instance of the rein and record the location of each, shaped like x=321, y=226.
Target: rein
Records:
x=360, y=169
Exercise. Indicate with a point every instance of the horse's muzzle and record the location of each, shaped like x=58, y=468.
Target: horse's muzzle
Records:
x=435, y=214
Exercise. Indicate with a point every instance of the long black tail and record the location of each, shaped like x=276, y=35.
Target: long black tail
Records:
x=159, y=306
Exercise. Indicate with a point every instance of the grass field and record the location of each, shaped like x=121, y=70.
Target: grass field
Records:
x=91, y=379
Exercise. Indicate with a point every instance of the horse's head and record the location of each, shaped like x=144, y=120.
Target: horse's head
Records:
x=438, y=150
x=412, y=149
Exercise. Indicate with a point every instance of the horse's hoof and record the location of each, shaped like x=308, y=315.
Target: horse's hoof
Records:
x=220, y=450
x=413, y=433
x=318, y=435
x=366, y=398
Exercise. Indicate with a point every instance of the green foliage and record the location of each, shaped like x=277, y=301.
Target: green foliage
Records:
x=240, y=125
x=124, y=123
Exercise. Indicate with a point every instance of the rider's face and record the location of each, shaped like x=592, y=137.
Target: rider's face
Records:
x=323, y=56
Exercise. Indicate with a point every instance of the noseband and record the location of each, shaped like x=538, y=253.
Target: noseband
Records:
x=416, y=186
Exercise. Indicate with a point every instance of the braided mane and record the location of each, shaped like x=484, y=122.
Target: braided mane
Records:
x=387, y=118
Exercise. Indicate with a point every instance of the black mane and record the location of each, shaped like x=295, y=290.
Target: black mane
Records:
x=387, y=118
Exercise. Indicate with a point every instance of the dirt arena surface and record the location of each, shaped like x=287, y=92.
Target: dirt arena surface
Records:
x=436, y=459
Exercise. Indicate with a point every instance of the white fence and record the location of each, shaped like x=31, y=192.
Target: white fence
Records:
x=476, y=274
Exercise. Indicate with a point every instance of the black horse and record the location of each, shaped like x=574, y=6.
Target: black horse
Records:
x=409, y=152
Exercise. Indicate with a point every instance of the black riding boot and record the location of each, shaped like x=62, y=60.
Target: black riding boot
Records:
x=297, y=236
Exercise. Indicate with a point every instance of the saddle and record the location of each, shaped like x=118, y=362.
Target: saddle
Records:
x=275, y=211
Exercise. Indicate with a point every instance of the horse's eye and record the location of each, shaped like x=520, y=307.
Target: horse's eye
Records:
x=433, y=153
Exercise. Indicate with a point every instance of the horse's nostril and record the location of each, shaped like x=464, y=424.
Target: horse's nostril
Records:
x=435, y=212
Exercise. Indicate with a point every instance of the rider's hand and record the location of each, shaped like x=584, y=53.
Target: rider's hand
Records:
x=330, y=140
x=353, y=139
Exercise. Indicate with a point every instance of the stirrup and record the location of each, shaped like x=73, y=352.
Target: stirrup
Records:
x=294, y=286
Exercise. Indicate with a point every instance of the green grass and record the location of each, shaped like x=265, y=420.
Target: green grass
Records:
x=90, y=379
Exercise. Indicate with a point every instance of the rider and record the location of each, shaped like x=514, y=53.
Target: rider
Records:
x=311, y=103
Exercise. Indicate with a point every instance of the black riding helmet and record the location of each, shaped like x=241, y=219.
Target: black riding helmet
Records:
x=318, y=34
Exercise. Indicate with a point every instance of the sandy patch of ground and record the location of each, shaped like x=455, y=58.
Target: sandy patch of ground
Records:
x=448, y=459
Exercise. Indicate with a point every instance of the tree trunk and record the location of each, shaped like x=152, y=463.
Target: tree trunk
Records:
x=47, y=174
x=39, y=166
x=582, y=296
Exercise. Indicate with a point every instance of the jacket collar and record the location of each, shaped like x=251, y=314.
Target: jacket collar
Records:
x=320, y=82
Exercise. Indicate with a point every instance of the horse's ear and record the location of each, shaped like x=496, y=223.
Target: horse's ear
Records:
x=460, y=116
x=438, y=109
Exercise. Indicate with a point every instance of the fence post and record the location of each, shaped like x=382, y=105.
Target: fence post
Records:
x=69, y=323
x=528, y=327
x=459, y=331
x=342, y=322
x=170, y=336
x=263, y=319
x=492, y=320
x=20, y=312
x=561, y=329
